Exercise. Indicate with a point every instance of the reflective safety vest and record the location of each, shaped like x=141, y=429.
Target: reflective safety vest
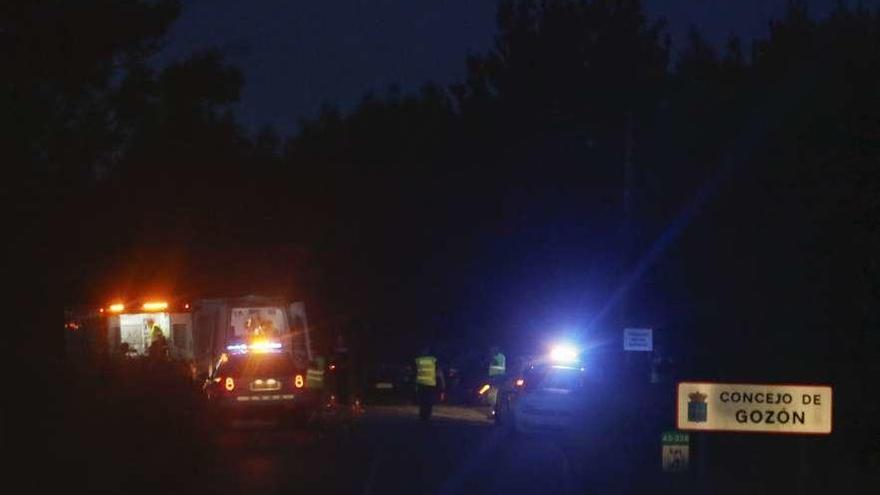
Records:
x=426, y=371
x=315, y=374
x=498, y=365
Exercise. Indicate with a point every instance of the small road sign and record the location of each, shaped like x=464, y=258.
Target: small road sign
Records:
x=676, y=451
x=638, y=339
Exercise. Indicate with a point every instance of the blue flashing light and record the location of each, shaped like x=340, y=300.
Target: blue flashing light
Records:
x=257, y=347
x=237, y=347
x=564, y=353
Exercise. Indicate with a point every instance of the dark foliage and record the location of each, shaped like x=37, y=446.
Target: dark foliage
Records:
x=492, y=210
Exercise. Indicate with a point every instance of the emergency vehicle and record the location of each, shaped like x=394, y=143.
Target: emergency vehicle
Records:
x=128, y=327
x=224, y=322
x=197, y=331
x=549, y=395
x=133, y=326
x=258, y=377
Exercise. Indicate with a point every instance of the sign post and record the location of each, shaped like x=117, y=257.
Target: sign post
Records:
x=675, y=451
x=758, y=408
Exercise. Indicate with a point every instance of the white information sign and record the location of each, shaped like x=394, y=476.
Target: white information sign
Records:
x=638, y=339
x=767, y=408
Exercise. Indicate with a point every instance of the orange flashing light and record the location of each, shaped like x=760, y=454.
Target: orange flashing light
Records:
x=230, y=384
x=155, y=306
x=298, y=381
x=117, y=308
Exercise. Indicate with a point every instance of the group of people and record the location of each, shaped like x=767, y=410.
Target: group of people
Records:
x=431, y=381
x=335, y=379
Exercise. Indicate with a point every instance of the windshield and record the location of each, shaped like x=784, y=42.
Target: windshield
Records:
x=269, y=322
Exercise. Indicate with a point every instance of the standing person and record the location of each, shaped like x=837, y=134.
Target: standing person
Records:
x=428, y=378
x=341, y=367
x=498, y=364
x=315, y=374
x=158, y=343
x=497, y=370
x=315, y=386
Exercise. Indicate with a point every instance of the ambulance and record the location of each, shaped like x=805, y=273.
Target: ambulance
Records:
x=198, y=331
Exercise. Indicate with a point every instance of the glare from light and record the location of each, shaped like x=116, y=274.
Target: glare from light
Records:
x=484, y=389
x=563, y=353
x=117, y=308
x=264, y=346
x=298, y=381
x=155, y=306
x=230, y=384
x=520, y=382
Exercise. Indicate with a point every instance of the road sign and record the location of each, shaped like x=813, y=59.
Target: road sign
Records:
x=638, y=339
x=676, y=451
x=749, y=407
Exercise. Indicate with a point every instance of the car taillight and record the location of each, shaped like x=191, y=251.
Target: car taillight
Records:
x=229, y=384
x=298, y=381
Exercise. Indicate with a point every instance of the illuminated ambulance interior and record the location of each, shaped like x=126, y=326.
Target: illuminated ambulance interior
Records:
x=135, y=325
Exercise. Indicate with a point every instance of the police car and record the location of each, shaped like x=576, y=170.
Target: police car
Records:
x=259, y=379
x=549, y=395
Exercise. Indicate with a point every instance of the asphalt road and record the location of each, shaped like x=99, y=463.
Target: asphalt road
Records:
x=120, y=448
x=107, y=431
x=387, y=450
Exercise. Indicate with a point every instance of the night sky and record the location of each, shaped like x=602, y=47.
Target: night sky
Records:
x=299, y=54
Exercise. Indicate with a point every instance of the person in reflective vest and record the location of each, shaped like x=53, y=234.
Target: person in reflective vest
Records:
x=497, y=369
x=315, y=374
x=498, y=364
x=428, y=378
x=158, y=343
